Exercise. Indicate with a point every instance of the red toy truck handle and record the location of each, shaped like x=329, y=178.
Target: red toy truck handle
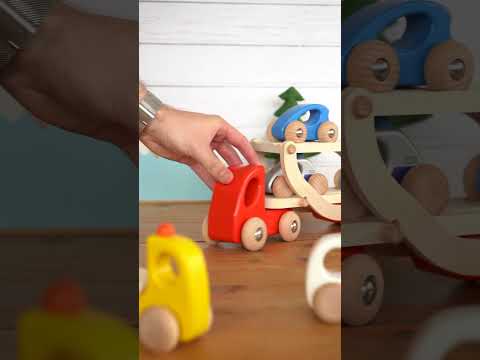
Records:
x=236, y=202
x=238, y=215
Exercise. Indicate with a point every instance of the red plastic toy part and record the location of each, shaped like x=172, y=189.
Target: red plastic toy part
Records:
x=166, y=230
x=238, y=215
x=64, y=297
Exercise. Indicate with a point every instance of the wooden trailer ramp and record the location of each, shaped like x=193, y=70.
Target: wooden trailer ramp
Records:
x=434, y=238
x=326, y=206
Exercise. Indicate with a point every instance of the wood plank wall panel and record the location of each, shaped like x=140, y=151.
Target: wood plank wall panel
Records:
x=233, y=58
x=239, y=24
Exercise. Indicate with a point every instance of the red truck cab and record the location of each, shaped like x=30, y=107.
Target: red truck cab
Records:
x=237, y=212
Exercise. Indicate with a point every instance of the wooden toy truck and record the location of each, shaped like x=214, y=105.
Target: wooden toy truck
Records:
x=323, y=287
x=240, y=212
x=174, y=292
x=438, y=243
x=380, y=210
x=64, y=327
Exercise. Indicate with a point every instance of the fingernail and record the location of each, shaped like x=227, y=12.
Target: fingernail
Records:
x=227, y=176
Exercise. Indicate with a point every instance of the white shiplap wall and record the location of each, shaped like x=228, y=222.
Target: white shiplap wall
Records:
x=233, y=58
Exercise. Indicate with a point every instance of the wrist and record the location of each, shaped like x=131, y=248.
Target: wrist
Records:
x=158, y=124
x=151, y=109
x=30, y=60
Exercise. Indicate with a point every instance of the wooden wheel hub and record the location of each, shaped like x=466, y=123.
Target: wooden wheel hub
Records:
x=362, y=107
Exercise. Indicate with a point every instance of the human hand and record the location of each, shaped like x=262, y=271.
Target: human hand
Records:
x=191, y=138
x=80, y=73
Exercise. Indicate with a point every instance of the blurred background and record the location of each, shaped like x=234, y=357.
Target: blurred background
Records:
x=433, y=137
x=44, y=181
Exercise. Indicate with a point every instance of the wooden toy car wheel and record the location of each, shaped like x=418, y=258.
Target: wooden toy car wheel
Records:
x=319, y=182
x=327, y=132
x=296, y=132
x=373, y=65
x=289, y=226
x=471, y=179
x=362, y=289
x=158, y=331
x=205, y=236
x=449, y=66
x=327, y=303
x=429, y=186
x=280, y=188
x=254, y=234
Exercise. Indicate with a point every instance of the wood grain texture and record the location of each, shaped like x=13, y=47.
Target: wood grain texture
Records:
x=301, y=148
x=188, y=217
x=259, y=303
x=258, y=299
x=246, y=66
x=239, y=24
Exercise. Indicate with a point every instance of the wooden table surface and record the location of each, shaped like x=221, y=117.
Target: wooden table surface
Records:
x=259, y=303
x=260, y=307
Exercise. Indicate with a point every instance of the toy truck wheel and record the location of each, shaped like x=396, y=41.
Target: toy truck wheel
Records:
x=210, y=322
x=327, y=303
x=296, y=132
x=337, y=179
x=429, y=186
x=159, y=331
x=289, y=226
x=319, y=182
x=280, y=188
x=471, y=179
x=254, y=234
x=449, y=66
x=205, y=236
x=363, y=284
x=327, y=132
x=373, y=65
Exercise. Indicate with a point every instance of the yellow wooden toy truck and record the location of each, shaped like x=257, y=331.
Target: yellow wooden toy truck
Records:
x=174, y=292
x=64, y=327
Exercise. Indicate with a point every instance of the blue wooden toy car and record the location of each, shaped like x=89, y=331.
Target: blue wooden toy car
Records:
x=317, y=127
x=425, y=54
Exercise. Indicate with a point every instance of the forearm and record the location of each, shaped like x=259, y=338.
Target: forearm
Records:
x=79, y=73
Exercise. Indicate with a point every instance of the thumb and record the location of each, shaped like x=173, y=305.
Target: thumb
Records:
x=214, y=166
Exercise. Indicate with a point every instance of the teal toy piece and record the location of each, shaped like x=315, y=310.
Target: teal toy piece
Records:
x=428, y=25
x=318, y=116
